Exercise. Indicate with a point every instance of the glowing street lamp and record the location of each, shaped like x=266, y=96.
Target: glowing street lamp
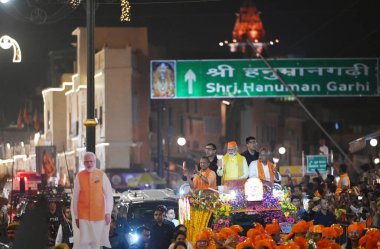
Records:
x=282, y=150
x=181, y=141
x=7, y=42
x=376, y=161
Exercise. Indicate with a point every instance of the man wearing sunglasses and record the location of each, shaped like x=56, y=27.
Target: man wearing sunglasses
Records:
x=210, y=151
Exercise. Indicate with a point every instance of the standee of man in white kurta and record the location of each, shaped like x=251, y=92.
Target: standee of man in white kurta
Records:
x=93, y=234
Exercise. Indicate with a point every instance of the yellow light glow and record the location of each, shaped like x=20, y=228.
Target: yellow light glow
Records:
x=81, y=87
x=57, y=89
x=125, y=11
x=74, y=3
x=98, y=74
x=226, y=102
x=19, y=157
x=67, y=153
x=69, y=92
x=76, y=90
x=102, y=144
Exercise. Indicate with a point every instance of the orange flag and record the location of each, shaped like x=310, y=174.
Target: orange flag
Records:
x=36, y=122
x=20, y=125
x=25, y=115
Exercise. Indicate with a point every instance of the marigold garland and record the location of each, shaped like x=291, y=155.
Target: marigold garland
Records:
x=202, y=205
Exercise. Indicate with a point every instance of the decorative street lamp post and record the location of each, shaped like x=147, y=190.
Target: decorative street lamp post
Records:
x=7, y=42
x=90, y=122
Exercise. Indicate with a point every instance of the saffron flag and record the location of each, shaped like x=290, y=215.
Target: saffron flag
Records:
x=25, y=115
x=36, y=122
x=20, y=124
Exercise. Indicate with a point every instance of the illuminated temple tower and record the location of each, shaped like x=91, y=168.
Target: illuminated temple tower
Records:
x=248, y=29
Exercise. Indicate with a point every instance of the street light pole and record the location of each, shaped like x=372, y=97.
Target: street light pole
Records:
x=160, y=154
x=90, y=122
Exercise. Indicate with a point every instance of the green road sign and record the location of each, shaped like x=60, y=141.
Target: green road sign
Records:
x=316, y=162
x=252, y=78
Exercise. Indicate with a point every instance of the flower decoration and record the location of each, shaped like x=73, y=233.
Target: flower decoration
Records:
x=269, y=201
x=289, y=210
x=203, y=204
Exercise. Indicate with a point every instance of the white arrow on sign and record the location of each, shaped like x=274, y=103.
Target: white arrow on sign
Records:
x=190, y=77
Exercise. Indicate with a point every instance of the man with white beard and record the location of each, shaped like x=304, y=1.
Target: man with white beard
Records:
x=92, y=204
x=233, y=167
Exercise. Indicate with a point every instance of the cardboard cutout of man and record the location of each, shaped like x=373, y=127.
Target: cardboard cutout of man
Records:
x=93, y=203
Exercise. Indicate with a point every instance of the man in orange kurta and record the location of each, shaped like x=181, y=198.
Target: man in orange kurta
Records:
x=92, y=205
x=205, y=178
x=344, y=180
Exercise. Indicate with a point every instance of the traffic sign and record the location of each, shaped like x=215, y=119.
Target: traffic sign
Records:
x=252, y=78
x=318, y=162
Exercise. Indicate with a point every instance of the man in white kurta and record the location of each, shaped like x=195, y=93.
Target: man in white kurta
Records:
x=262, y=168
x=92, y=218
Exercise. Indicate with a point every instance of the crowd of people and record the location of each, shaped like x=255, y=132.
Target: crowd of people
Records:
x=304, y=235
x=333, y=211
x=322, y=200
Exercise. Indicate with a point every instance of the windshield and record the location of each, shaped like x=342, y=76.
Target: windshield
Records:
x=139, y=214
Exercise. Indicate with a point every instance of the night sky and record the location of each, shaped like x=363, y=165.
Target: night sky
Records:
x=189, y=29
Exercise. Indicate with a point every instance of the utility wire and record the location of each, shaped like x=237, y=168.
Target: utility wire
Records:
x=294, y=95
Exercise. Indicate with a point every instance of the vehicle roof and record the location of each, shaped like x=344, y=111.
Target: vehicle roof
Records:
x=148, y=195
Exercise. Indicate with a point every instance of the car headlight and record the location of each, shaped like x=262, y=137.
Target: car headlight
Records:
x=133, y=238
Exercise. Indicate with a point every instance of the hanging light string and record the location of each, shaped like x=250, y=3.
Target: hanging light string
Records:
x=74, y=3
x=124, y=4
x=125, y=8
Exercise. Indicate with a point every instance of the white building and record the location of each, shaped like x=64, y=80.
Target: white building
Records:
x=118, y=87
